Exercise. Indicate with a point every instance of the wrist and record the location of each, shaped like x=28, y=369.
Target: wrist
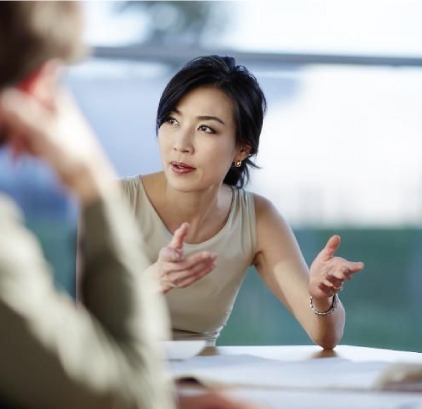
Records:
x=322, y=304
x=323, y=308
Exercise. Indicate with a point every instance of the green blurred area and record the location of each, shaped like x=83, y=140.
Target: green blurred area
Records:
x=383, y=303
x=58, y=242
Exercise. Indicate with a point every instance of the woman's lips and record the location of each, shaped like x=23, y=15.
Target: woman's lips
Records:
x=181, y=167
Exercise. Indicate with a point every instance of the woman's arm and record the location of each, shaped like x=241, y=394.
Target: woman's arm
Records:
x=281, y=265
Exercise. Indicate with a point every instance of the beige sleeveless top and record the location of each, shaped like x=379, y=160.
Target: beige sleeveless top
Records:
x=201, y=310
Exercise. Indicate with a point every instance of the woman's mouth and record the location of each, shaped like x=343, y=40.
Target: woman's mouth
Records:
x=181, y=167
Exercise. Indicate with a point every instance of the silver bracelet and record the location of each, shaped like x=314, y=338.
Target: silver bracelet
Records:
x=333, y=307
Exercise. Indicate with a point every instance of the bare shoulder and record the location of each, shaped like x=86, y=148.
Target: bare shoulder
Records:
x=262, y=203
x=151, y=178
x=153, y=182
x=265, y=209
x=154, y=187
x=269, y=221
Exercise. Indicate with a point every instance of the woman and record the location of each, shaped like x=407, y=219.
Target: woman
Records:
x=204, y=230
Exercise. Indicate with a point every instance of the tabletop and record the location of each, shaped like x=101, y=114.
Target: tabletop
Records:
x=284, y=398
x=302, y=352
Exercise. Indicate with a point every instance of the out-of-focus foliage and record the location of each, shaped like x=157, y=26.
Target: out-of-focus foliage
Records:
x=180, y=22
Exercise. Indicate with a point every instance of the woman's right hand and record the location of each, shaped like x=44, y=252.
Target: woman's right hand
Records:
x=174, y=270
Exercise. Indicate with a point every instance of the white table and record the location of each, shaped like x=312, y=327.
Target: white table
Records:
x=284, y=398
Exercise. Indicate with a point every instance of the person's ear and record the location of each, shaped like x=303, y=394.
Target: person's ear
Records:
x=42, y=84
x=243, y=153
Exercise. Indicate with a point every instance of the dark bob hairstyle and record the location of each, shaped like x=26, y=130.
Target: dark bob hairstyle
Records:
x=239, y=84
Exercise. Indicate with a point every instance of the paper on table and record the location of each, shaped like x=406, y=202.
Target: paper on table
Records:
x=327, y=399
x=179, y=350
x=400, y=376
x=246, y=370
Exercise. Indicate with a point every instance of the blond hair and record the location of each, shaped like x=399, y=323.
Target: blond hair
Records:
x=33, y=32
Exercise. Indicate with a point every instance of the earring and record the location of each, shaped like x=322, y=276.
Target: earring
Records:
x=238, y=163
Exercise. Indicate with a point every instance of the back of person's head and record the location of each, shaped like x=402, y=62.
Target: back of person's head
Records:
x=34, y=32
x=239, y=84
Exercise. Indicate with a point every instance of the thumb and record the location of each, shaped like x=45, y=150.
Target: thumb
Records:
x=179, y=237
x=169, y=254
x=331, y=247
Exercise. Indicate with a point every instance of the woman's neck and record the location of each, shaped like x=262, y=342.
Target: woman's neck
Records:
x=206, y=211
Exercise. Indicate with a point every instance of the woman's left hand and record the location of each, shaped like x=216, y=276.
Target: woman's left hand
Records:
x=328, y=273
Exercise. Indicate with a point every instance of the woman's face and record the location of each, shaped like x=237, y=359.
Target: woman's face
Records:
x=198, y=140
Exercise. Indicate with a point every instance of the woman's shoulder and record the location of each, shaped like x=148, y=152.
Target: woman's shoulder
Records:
x=268, y=216
x=130, y=186
x=135, y=183
x=130, y=181
x=240, y=192
x=152, y=179
x=265, y=208
x=260, y=204
x=136, y=188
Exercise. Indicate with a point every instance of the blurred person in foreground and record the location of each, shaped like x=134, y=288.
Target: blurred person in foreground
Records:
x=52, y=354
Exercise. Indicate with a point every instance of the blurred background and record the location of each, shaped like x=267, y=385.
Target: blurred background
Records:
x=340, y=151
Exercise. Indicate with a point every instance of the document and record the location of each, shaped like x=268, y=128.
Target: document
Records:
x=287, y=399
x=321, y=374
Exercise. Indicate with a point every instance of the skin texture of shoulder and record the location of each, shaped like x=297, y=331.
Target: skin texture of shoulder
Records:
x=154, y=184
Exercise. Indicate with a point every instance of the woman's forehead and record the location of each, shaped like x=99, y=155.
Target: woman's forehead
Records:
x=206, y=101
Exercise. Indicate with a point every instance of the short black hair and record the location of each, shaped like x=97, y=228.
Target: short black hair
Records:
x=239, y=84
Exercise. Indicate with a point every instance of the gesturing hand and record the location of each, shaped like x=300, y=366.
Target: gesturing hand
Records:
x=328, y=273
x=176, y=270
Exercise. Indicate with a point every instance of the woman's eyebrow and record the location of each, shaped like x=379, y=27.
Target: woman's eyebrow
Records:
x=210, y=118
x=202, y=117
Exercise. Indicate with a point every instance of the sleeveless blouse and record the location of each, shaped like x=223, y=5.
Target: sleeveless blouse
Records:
x=201, y=310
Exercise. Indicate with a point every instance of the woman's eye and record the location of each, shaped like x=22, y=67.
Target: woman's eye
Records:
x=206, y=129
x=171, y=121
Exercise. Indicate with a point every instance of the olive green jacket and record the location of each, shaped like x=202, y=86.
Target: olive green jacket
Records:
x=54, y=355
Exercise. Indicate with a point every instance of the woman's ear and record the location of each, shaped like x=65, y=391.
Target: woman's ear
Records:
x=244, y=152
x=42, y=84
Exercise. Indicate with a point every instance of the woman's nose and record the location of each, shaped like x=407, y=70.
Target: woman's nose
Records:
x=183, y=142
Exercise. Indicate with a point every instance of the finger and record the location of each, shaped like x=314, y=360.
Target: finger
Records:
x=195, y=277
x=186, y=263
x=346, y=270
x=196, y=269
x=176, y=278
x=334, y=281
x=169, y=254
x=25, y=118
x=326, y=289
x=194, y=259
x=355, y=267
x=179, y=236
x=20, y=111
x=331, y=247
